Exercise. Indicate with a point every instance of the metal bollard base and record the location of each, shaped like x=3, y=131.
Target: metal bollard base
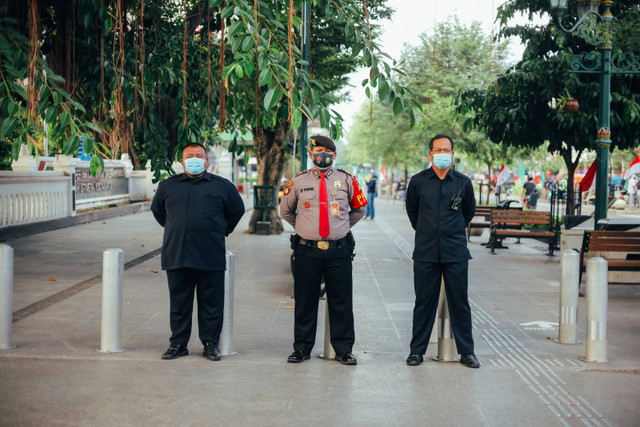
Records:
x=596, y=352
x=7, y=347
x=120, y=350
x=567, y=334
x=437, y=359
x=446, y=350
x=584, y=359
x=327, y=357
x=557, y=341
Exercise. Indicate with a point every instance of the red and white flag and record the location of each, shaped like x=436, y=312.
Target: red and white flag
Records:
x=503, y=175
x=634, y=168
x=588, y=180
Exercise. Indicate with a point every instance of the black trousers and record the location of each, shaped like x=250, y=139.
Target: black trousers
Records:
x=427, y=277
x=209, y=288
x=311, y=264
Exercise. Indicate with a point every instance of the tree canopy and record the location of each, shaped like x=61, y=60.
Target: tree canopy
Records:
x=439, y=66
x=147, y=77
x=523, y=107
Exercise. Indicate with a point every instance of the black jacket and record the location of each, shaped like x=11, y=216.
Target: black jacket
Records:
x=197, y=214
x=440, y=231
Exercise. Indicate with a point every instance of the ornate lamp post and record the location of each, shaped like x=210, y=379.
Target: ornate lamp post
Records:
x=601, y=30
x=304, y=126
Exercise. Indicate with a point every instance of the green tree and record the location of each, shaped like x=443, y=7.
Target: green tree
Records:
x=520, y=108
x=440, y=65
x=148, y=77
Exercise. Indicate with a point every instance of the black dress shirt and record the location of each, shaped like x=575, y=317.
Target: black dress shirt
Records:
x=440, y=231
x=197, y=214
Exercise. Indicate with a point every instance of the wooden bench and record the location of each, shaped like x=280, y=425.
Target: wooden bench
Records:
x=484, y=212
x=612, y=241
x=508, y=223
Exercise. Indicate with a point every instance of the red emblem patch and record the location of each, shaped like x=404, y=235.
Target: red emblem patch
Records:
x=307, y=205
x=286, y=190
x=358, y=199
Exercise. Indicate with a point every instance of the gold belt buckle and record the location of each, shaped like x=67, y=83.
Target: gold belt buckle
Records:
x=322, y=245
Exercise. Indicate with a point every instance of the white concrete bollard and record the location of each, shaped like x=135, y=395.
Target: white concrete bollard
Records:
x=112, y=282
x=446, y=342
x=433, y=339
x=6, y=296
x=226, y=336
x=570, y=266
x=329, y=352
x=597, y=301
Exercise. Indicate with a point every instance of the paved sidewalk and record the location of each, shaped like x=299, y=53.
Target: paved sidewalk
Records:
x=55, y=376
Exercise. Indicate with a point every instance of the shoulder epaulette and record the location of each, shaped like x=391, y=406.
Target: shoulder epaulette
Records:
x=302, y=172
x=344, y=171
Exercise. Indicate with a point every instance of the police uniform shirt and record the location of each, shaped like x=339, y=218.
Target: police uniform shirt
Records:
x=440, y=232
x=300, y=204
x=197, y=214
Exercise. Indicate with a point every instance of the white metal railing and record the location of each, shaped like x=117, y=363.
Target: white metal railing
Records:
x=27, y=197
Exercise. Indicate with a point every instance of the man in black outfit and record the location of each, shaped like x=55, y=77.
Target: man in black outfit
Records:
x=197, y=210
x=440, y=204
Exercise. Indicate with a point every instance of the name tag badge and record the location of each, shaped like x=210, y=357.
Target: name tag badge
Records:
x=335, y=208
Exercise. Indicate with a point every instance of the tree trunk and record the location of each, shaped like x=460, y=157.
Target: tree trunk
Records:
x=270, y=153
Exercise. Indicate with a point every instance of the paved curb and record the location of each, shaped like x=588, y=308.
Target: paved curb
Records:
x=17, y=231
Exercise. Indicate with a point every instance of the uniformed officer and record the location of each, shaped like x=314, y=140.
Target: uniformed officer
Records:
x=323, y=203
x=440, y=204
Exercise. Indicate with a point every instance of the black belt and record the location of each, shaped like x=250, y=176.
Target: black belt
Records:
x=322, y=244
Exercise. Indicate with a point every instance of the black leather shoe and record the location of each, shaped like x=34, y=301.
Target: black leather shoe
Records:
x=415, y=359
x=347, y=359
x=298, y=357
x=211, y=351
x=175, y=351
x=470, y=361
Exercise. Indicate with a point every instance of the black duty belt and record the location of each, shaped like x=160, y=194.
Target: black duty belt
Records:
x=322, y=244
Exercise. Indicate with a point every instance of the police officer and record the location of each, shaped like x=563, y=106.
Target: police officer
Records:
x=323, y=203
x=440, y=204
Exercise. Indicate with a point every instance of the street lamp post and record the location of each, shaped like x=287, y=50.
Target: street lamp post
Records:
x=304, y=126
x=598, y=29
x=425, y=157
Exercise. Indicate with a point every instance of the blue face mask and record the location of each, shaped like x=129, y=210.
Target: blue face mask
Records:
x=322, y=160
x=194, y=165
x=442, y=160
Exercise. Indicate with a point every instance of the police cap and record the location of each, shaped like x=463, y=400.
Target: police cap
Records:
x=322, y=141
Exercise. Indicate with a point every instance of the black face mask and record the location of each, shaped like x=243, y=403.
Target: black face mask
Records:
x=322, y=160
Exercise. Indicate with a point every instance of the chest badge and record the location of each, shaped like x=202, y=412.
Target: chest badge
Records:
x=336, y=184
x=307, y=205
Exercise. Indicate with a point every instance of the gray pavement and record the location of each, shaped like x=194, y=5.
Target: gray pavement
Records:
x=55, y=376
